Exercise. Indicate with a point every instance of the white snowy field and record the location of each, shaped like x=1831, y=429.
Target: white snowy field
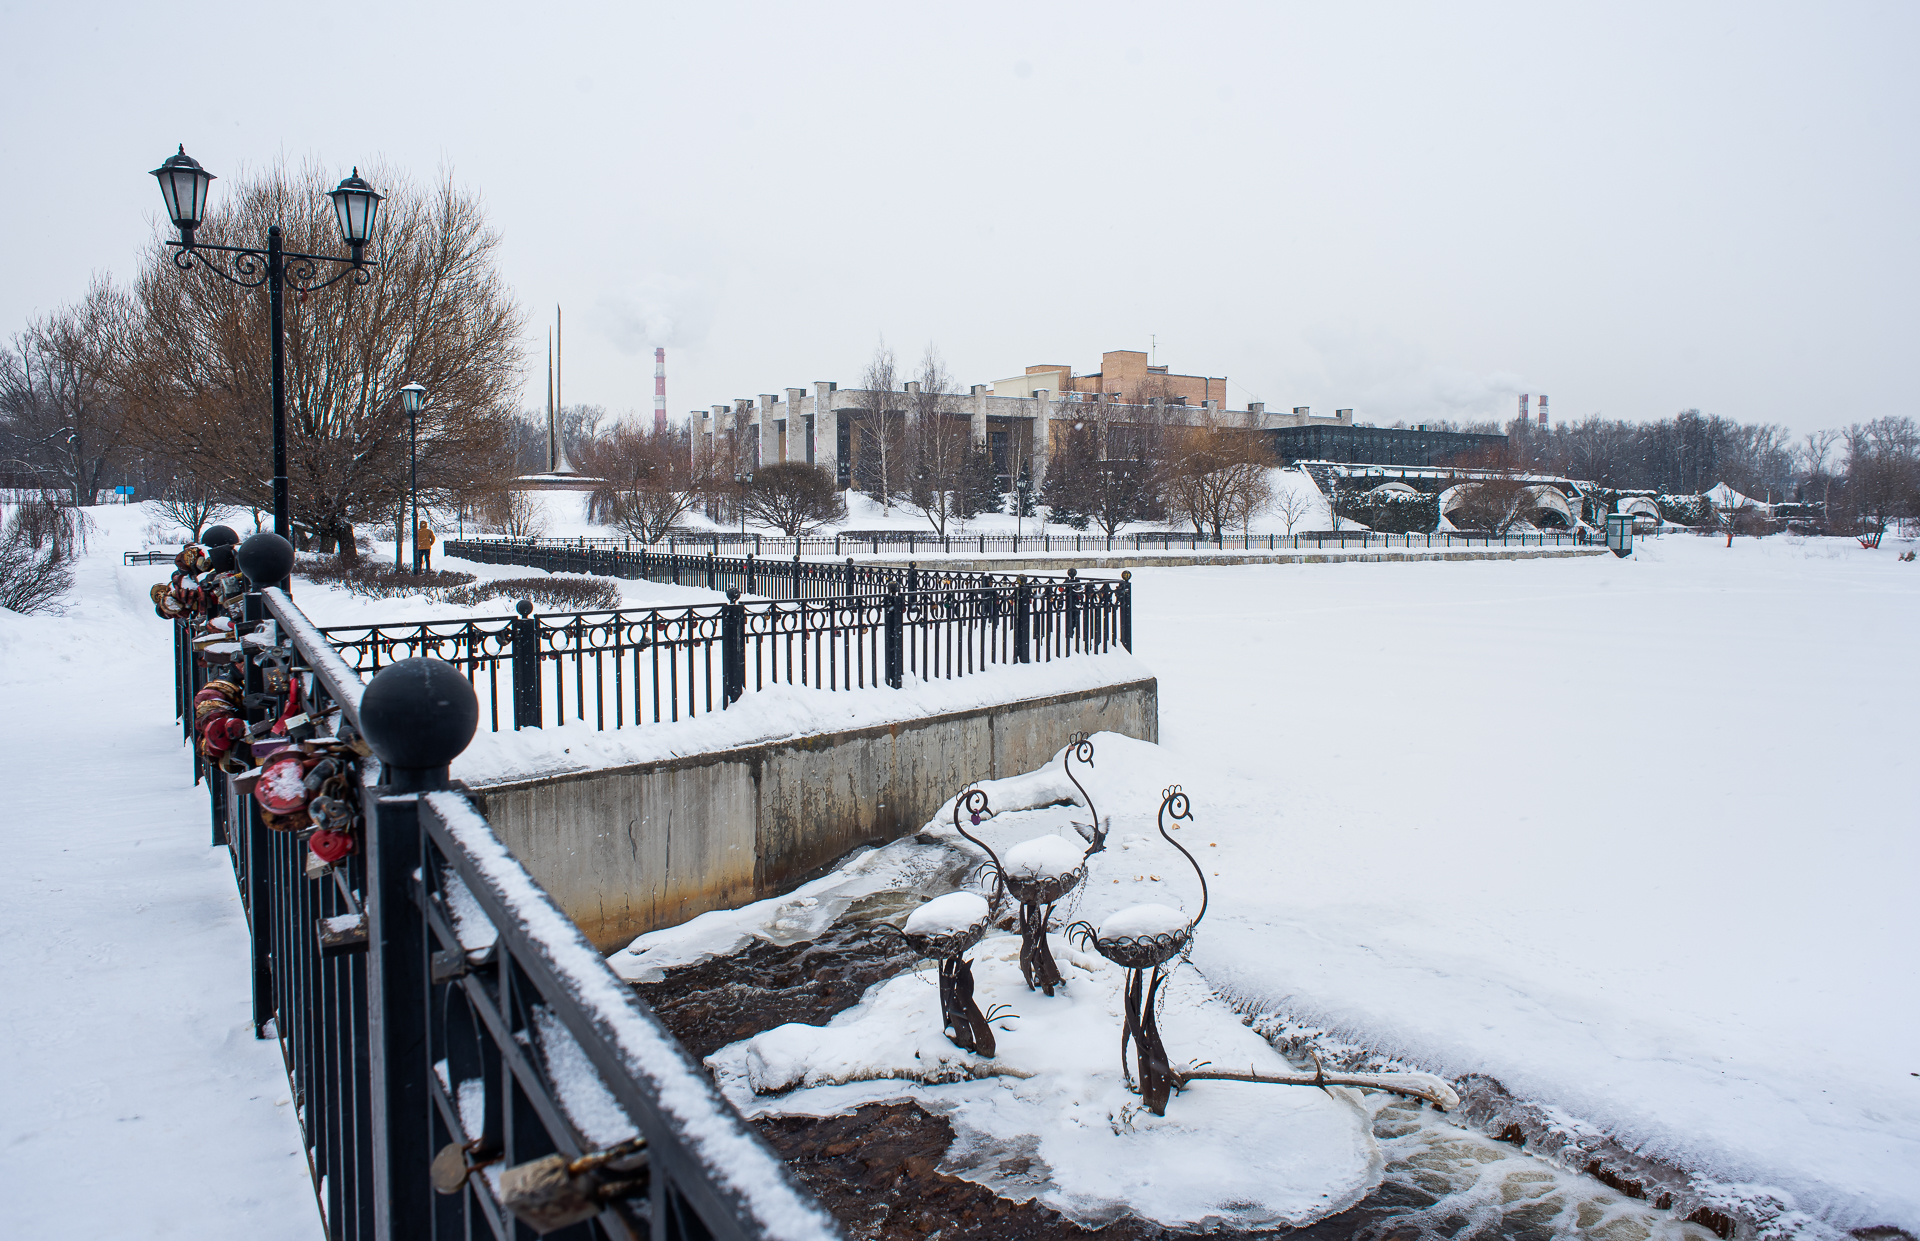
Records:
x=1635, y=837
x=1632, y=836
x=134, y=1100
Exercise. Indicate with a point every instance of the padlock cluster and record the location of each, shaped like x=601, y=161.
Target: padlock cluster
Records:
x=205, y=583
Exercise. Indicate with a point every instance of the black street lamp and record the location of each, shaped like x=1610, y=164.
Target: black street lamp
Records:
x=183, y=187
x=413, y=396
x=743, y=481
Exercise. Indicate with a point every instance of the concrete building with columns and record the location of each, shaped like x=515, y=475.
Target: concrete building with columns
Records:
x=1013, y=420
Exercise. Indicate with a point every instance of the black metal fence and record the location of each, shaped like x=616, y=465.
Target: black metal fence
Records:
x=771, y=551
x=626, y=666
x=752, y=574
x=461, y=1059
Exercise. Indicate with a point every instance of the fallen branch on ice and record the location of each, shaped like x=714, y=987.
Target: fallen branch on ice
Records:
x=1408, y=1085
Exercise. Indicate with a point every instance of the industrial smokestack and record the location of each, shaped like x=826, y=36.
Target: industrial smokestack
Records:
x=660, y=391
x=1543, y=409
x=1524, y=415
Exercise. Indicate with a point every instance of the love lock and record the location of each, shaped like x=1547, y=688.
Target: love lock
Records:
x=454, y=1164
x=554, y=1192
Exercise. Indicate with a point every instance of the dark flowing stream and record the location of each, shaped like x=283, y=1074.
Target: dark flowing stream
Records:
x=878, y=1168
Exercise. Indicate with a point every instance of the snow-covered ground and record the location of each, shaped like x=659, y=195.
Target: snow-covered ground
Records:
x=563, y=515
x=1632, y=836
x=133, y=1095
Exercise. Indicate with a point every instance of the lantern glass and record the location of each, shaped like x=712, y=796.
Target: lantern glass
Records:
x=412, y=397
x=183, y=187
x=356, y=207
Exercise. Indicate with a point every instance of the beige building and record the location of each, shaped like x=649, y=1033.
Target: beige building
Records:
x=1124, y=378
x=823, y=425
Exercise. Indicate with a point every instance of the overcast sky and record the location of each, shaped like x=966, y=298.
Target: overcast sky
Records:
x=1414, y=210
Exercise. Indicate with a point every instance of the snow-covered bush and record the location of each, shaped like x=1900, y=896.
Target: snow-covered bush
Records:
x=38, y=544
x=583, y=594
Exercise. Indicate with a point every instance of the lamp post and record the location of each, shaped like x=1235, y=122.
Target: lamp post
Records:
x=183, y=187
x=413, y=396
x=743, y=481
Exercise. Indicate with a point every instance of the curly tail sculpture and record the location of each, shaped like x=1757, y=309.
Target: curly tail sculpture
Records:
x=1144, y=938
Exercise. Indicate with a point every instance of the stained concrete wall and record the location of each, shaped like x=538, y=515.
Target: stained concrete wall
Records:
x=625, y=850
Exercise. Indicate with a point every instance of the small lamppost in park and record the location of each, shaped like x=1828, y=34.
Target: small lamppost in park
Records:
x=743, y=481
x=183, y=187
x=413, y=396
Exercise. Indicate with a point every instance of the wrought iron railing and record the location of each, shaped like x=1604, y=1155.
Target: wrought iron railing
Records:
x=772, y=552
x=638, y=665
x=751, y=574
x=611, y=668
x=462, y=1061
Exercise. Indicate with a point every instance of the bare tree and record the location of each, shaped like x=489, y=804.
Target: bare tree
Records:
x=1292, y=503
x=195, y=367
x=877, y=436
x=1216, y=476
x=1883, y=475
x=513, y=513
x=61, y=414
x=193, y=506
x=1494, y=503
x=793, y=497
x=1102, y=471
x=38, y=544
x=649, y=480
x=936, y=448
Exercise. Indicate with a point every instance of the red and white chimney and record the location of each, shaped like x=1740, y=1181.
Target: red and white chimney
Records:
x=660, y=391
x=1543, y=409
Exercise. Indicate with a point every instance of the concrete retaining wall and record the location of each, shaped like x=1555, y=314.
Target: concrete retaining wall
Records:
x=625, y=850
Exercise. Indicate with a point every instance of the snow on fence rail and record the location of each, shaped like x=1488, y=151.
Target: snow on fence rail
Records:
x=692, y=563
x=462, y=1061
x=652, y=665
x=752, y=574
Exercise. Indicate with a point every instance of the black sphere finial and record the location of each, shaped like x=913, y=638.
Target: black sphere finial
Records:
x=733, y=595
x=524, y=607
x=216, y=536
x=265, y=558
x=418, y=715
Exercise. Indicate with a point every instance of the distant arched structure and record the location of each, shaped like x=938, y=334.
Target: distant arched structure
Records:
x=1549, y=502
x=1640, y=506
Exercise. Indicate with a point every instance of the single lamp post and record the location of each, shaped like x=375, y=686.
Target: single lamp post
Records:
x=356, y=207
x=412, y=397
x=743, y=481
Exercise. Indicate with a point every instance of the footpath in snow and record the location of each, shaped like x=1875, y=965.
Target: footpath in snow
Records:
x=130, y=1057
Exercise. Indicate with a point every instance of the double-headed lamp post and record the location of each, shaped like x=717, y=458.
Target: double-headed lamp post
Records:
x=413, y=396
x=183, y=186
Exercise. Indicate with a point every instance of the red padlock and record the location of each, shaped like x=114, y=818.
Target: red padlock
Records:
x=282, y=786
x=330, y=846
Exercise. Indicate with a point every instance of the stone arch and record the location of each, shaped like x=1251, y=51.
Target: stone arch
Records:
x=1640, y=506
x=1553, y=501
